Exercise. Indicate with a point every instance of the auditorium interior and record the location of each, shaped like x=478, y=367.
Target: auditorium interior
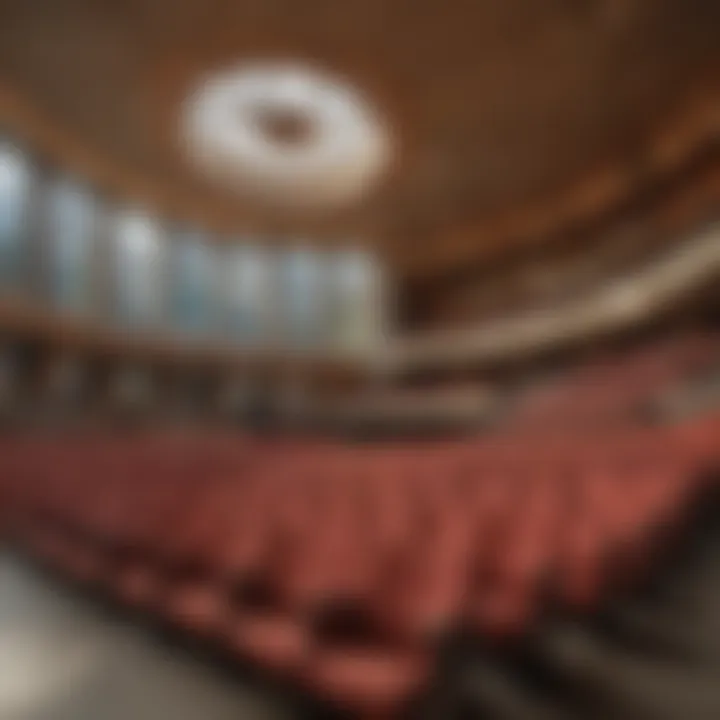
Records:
x=359, y=360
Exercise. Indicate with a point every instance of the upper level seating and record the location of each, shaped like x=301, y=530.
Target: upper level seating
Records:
x=611, y=390
x=343, y=566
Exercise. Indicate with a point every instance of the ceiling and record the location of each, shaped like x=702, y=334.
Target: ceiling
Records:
x=618, y=244
x=511, y=119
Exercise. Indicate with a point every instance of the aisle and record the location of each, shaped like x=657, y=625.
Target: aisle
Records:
x=62, y=658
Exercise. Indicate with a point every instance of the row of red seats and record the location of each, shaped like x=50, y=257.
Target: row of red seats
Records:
x=342, y=566
x=610, y=390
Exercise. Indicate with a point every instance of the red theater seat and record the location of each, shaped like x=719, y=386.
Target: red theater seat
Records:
x=277, y=641
x=137, y=584
x=376, y=682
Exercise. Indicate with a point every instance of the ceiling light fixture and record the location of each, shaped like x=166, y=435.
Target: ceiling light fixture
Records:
x=288, y=134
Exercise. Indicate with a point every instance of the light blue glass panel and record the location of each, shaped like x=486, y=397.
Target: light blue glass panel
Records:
x=303, y=280
x=193, y=282
x=138, y=267
x=70, y=240
x=357, y=305
x=246, y=275
x=15, y=189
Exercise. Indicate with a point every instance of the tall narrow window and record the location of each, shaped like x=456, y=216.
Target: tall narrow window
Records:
x=138, y=268
x=246, y=275
x=15, y=189
x=357, y=300
x=192, y=282
x=69, y=246
x=303, y=294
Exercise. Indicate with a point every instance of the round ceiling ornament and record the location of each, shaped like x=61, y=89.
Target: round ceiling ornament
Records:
x=288, y=134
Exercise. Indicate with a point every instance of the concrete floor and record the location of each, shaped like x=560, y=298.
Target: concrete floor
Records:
x=63, y=658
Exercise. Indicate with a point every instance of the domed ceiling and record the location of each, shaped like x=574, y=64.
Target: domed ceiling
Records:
x=507, y=120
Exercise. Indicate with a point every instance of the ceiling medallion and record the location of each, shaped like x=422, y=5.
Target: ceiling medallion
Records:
x=287, y=134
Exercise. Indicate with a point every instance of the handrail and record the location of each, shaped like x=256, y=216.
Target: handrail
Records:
x=625, y=302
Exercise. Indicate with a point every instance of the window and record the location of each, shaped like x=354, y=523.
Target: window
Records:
x=357, y=303
x=303, y=284
x=246, y=274
x=15, y=189
x=192, y=280
x=70, y=235
x=138, y=259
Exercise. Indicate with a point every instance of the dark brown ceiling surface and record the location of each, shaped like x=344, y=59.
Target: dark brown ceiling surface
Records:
x=619, y=242
x=511, y=117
